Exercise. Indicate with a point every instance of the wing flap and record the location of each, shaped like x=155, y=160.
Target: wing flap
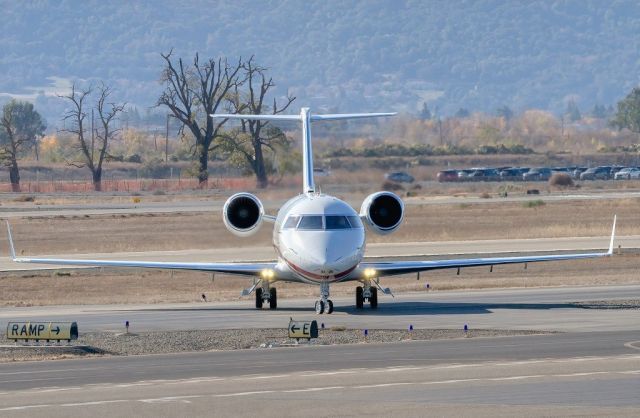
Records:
x=245, y=269
x=392, y=268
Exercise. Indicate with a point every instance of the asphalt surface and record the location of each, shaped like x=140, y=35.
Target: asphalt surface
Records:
x=591, y=368
x=546, y=309
x=587, y=372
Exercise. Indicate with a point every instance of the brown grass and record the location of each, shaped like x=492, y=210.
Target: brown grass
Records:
x=428, y=222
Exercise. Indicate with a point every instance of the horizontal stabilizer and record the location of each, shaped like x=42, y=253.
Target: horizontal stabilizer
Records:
x=255, y=117
x=341, y=116
x=313, y=118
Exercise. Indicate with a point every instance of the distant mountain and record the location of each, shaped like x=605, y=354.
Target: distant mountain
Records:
x=355, y=55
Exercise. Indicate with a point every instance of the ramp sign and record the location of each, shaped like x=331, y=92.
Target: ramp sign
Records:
x=42, y=331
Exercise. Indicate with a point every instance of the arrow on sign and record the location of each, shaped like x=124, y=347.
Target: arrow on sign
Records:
x=294, y=328
x=56, y=330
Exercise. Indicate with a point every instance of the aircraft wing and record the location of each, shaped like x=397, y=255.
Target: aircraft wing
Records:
x=391, y=268
x=244, y=269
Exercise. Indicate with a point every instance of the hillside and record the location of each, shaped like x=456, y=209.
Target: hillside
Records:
x=358, y=55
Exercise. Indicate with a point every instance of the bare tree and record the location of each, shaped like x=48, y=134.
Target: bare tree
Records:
x=194, y=92
x=93, y=149
x=255, y=135
x=20, y=125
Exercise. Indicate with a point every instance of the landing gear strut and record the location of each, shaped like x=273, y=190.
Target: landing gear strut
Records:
x=366, y=293
x=324, y=305
x=264, y=294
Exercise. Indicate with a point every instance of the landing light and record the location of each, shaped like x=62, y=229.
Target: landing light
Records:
x=369, y=273
x=267, y=274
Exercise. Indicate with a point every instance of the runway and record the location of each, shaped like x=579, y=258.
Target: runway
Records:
x=546, y=374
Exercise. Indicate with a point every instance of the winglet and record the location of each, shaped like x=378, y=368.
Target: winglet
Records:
x=11, y=247
x=613, y=235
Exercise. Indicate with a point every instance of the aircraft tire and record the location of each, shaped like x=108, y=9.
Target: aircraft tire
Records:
x=359, y=297
x=373, y=300
x=259, y=298
x=319, y=307
x=329, y=308
x=273, y=298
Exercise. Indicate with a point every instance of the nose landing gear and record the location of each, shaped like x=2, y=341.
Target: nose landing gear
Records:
x=266, y=294
x=324, y=305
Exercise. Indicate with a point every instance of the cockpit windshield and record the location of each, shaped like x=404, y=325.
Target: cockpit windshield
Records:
x=336, y=222
x=310, y=222
x=319, y=222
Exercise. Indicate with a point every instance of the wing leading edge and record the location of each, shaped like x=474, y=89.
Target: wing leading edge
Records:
x=392, y=268
x=244, y=269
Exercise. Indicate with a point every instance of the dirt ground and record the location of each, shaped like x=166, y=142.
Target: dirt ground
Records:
x=491, y=220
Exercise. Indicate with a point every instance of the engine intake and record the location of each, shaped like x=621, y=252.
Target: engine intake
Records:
x=242, y=214
x=383, y=212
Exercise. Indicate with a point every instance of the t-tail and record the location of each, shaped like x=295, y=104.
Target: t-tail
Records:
x=306, y=117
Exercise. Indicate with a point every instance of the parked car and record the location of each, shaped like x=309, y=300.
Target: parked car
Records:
x=577, y=171
x=399, y=177
x=597, y=173
x=537, y=174
x=465, y=175
x=485, y=174
x=628, y=173
x=447, y=175
x=513, y=174
x=614, y=170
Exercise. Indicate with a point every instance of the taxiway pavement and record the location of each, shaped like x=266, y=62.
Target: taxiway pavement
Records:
x=545, y=309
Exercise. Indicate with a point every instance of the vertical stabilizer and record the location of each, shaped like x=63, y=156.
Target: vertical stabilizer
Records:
x=308, y=185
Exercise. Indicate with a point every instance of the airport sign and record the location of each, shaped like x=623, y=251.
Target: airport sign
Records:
x=42, y=331
x=303, y=329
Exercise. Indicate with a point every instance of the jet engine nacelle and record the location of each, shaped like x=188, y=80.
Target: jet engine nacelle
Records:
x=383, y=212
x=242, y=214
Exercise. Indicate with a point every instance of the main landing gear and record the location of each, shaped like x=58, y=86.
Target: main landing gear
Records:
x=266, y=294
x=366, y=293
x=324, y=305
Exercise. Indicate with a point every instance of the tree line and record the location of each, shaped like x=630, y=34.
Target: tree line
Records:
x=193, y=90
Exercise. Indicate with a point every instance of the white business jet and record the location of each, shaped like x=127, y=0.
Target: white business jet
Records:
x=319, y=239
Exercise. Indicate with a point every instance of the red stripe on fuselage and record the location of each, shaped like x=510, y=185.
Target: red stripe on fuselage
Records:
x=314, y=276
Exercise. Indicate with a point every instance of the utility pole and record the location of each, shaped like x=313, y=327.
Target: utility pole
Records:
x=92, y=136
x=166, y=141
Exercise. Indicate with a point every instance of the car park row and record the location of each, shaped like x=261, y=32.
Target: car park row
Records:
x=609, y=172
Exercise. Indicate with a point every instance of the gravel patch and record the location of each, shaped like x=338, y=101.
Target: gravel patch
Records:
x=122, y=344
x=609, y=304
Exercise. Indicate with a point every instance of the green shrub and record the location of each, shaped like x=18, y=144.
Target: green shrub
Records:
x=533, y=203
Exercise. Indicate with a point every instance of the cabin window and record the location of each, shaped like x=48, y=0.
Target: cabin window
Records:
x=310, y=222
x=337, y=222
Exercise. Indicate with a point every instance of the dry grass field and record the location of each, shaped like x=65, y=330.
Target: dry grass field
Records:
x=490, y=220
x=178, y=231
